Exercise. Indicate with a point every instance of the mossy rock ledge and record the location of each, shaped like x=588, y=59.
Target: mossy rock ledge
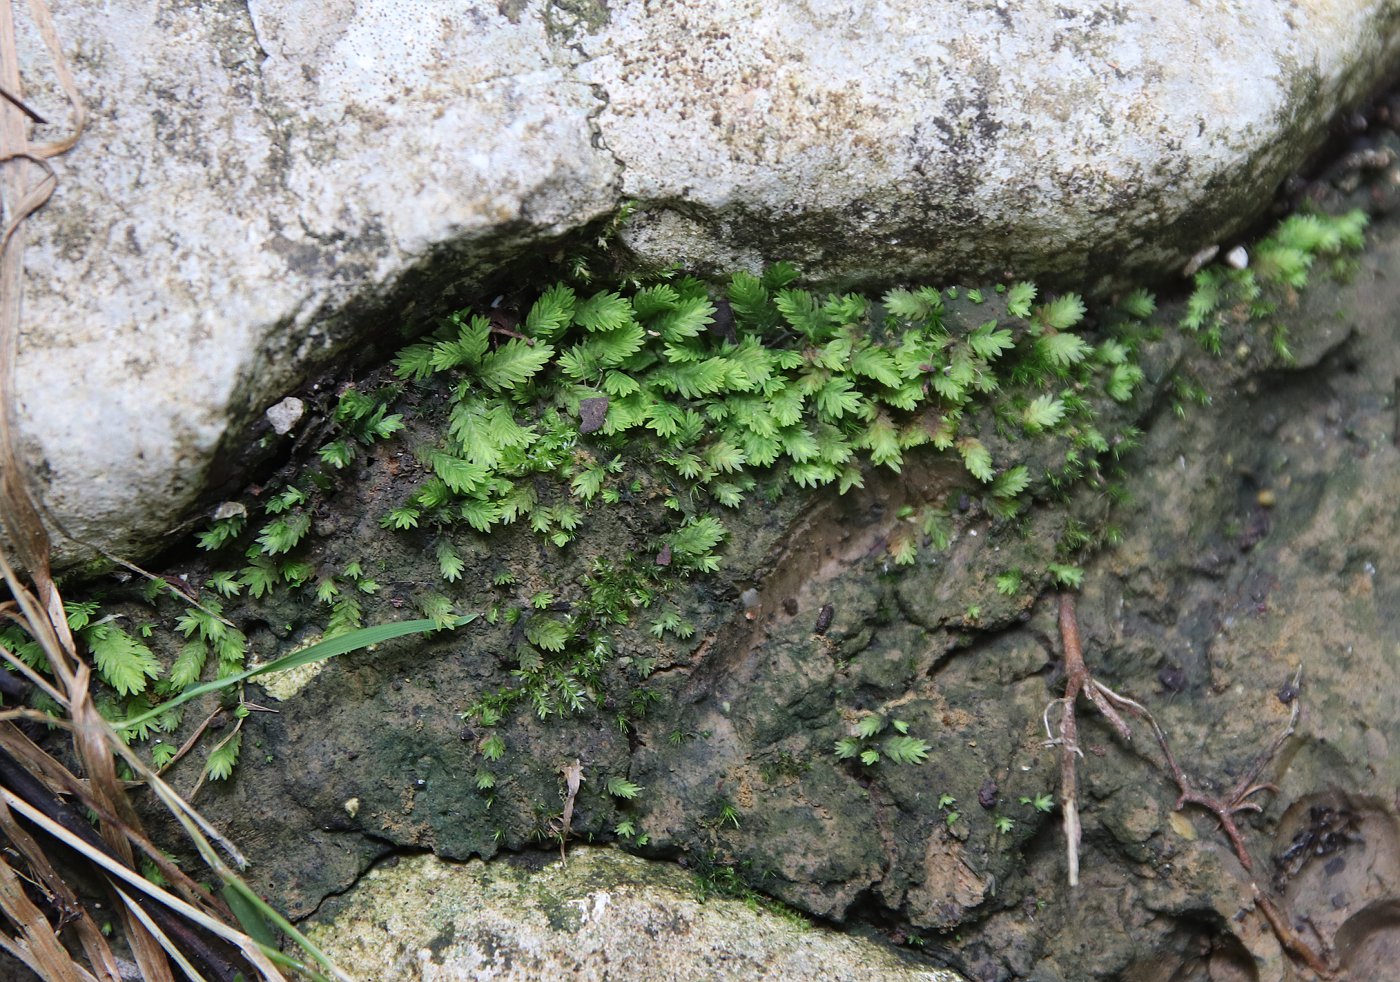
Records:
x=722, y=754
x=265, y=188
x=602, y=915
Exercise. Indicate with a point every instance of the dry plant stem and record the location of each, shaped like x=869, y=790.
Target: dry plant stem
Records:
x=19, y=516
x=98, y=856
x=36, y=945
x=56, y=894
x=573, y=777
x=24, y=785
x=204, y=775
x=176, y=955
x=190, y=742
x=26, y=181
x=33, y=762
x=1075, y=675
x=1287, y=937
x=95, y=741
x=1105, y=700
x=1078, y=679
x=188, y=598
x=1223, y=809
x=10, y=611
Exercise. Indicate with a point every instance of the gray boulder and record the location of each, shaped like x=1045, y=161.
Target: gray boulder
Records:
x=1085, y=143
x=603, y=914
x=263, y=187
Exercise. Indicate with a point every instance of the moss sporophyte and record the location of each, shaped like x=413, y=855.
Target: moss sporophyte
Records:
x=655, y=410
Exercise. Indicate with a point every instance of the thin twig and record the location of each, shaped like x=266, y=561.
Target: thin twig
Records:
x=1287, y=937
x=190, y=742
x=1078, y=679
x=1075, y=674
x=22, y=106
x=204, y=774
x=180, y=594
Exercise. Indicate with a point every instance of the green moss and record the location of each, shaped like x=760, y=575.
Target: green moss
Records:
x=612, y=431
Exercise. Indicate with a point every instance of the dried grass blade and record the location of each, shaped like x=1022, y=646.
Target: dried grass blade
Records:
x=22, y=785
x=33, y=677
x=193, y=823
x=196, y=825
x=39, y=10
x=38, y=947
x=170, y=947
x=42, y=611
x=35, y=616
x=99, y=953
x=148, y=952
x=60, y=780
x=58, y=894
x=97, y=856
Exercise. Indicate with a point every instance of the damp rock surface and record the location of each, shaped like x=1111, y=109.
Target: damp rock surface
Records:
x=1252, y=543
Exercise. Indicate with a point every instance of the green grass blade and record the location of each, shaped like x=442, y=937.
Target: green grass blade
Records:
x=320, y=651
x=250, y=917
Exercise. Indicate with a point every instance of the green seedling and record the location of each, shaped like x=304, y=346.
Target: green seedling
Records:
x=864, y=742
x=1042, y=802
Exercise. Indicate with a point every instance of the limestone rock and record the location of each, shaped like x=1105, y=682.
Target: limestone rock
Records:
x=253, y=195
x=602, y=915
x=1081, y=142
x=265, y=186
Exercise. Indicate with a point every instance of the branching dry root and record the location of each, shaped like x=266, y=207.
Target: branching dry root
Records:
x=1079, y=680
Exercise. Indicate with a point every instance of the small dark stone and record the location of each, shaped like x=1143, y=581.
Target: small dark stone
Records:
x=663, y=558
x=824, y=617
x=790, y=606
x=722, y=326
x=1173, y=679
x=987, y=794
x=591, y=414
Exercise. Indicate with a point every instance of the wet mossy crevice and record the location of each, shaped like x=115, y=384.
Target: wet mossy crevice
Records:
x=704, y=628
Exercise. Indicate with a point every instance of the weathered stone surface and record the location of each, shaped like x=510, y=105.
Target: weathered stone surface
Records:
x=265, y=184
x=950, y=139
x=602, y=915
x=249, y=192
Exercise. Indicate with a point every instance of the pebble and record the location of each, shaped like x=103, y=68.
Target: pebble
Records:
x=285, y=415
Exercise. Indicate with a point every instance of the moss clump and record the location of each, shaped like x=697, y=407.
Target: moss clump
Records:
x=652, y=411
